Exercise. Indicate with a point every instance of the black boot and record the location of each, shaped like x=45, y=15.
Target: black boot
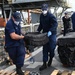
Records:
x=49, y=62
x=44, y=66
x=19, y=71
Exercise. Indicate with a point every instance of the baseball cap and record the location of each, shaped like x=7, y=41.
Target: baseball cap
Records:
x=44, y=6
x=17, y=16
x=66, y=13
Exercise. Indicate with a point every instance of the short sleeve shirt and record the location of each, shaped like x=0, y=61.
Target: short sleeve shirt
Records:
x=10, y=28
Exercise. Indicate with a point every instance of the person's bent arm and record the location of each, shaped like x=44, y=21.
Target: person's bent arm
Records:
x=16, y=36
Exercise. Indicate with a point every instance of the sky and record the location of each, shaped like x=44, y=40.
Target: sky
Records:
x=72, y=4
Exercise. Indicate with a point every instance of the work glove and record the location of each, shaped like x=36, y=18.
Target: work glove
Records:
x=26, y=39
x=49, y=33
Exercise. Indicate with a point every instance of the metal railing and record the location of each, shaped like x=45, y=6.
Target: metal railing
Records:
x=30, y=28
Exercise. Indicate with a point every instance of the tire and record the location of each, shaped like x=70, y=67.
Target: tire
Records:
x=36, y=39
x=67, y=55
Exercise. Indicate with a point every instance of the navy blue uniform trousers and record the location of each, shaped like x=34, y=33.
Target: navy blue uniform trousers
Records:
x=49, y=48
x=17, y=54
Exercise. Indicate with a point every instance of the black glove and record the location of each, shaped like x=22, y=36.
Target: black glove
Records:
x=26, y=40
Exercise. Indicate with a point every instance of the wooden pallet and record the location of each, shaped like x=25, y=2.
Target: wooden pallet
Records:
x=57, y=72
x=6, y=72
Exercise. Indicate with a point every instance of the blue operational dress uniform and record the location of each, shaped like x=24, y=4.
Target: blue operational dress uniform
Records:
x=66, y=23
x=15, y=48
x=73, y=21
x=48, y=23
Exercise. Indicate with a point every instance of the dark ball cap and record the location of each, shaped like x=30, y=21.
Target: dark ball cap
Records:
x=17, y=16
x=44, y=6
x=66, y=13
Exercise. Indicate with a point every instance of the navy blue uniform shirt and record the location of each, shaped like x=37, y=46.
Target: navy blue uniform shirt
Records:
x=73, y=21
x=10, y=28
x=48, y=23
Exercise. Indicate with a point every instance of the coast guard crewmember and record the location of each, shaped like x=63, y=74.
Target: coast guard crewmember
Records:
x=48, y=23
x=14, y=43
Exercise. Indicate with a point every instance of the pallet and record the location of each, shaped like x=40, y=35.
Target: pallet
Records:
x=6, y=72
x=57, y=72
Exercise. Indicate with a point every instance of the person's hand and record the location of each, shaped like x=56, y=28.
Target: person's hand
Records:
x=22, y=36
x=49, y=33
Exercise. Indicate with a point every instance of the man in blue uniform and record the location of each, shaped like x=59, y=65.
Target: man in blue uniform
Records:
x=73, y=21
x=66, y=23
x=48, y=23
x=14, y=44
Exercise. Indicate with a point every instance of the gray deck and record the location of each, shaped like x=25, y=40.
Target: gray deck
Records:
x=34, y=67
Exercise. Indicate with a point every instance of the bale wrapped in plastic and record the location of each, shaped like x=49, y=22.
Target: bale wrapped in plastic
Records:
x=66, y=49
x=36, y=39
x=68, y=40
x=67, y=55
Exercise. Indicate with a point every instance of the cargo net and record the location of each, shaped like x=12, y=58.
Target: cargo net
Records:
x=67, y=55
